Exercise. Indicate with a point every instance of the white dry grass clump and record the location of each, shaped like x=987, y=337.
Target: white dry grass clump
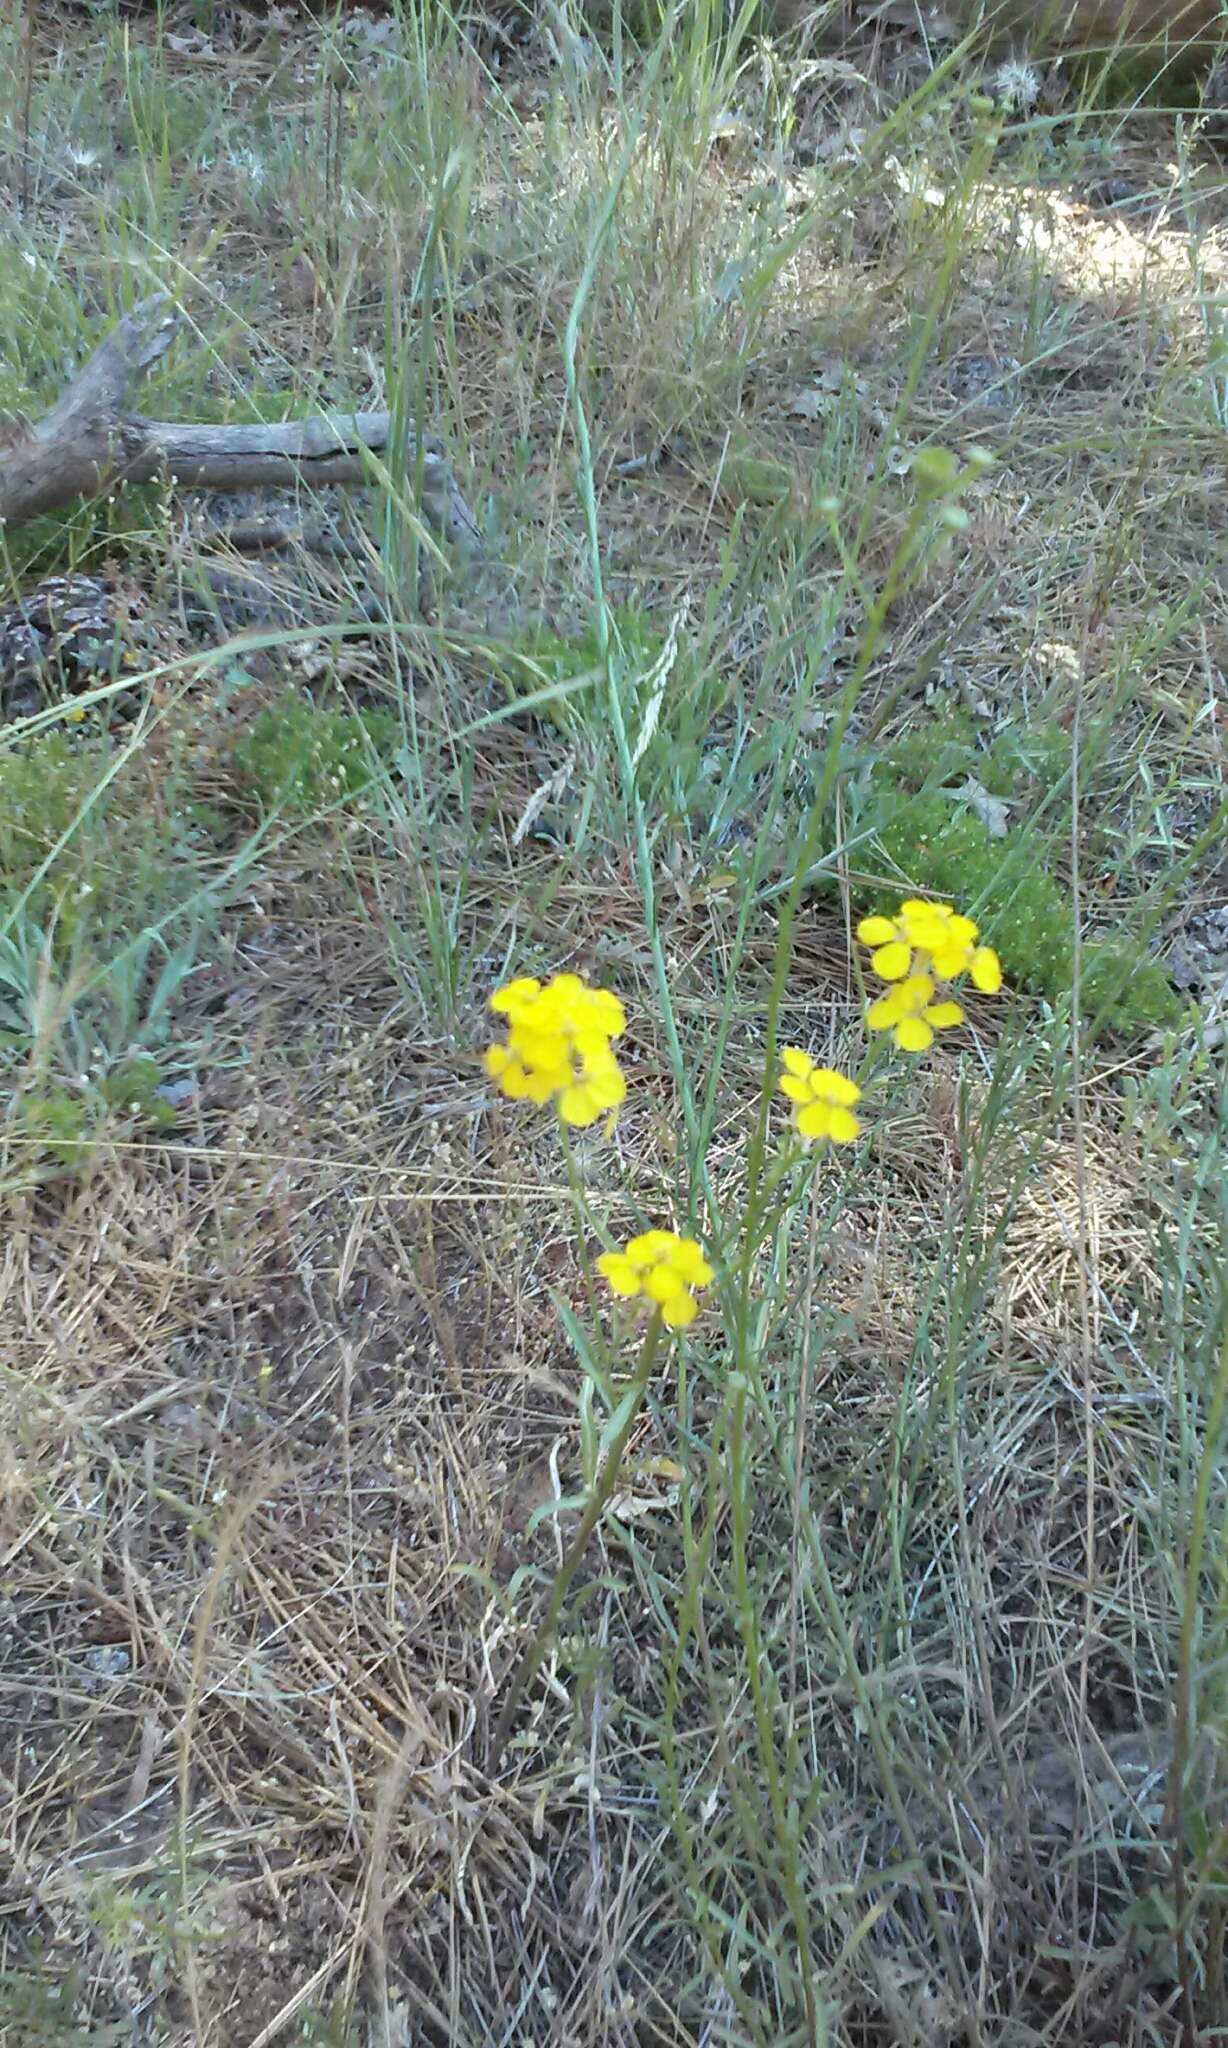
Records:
x=1017, y=86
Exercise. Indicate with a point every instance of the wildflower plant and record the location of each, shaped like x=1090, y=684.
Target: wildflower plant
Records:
x=558, y=1049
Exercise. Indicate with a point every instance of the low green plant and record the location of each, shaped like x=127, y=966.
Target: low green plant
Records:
x=42, y=789
x=60, y=1128
x=107, y=907
x=670, y=688
x=301, y=758
x=41, y=2006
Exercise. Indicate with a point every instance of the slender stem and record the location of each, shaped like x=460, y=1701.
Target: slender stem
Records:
x=1184, y=1700
x=603, y=1487
x=583, y=1216
x=764, y=1696
x=788, y=913
x=799, y=1435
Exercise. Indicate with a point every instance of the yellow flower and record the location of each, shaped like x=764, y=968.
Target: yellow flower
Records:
x=558, y=1046
x=662, y=1269
x=911, y=1015
x=822, y=1099
x=924, y=943
x=565, y=998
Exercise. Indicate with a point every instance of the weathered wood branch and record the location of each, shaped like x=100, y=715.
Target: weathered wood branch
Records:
x=88, y=442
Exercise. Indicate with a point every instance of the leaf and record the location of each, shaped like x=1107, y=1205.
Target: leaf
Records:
x=568, y=1503
x=583, y=1346
x=625, y=1409
x=810, y=405
x=991, y=810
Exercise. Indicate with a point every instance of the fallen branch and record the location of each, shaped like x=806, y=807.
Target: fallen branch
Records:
x=88, y=443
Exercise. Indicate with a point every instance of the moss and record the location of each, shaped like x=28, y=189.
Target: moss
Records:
x=302, y=758
x=41, y=793
x=948, y=749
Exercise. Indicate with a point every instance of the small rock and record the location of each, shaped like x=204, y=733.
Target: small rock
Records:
x=177, y=1093
x=109, y=1660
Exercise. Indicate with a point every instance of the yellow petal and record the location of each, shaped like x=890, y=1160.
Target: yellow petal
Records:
x=885, y=1012
x=660, y=1285
x=679, y=1310
x=913, y=1035
x=844, y=1127
x=892, y=962
x=948, y=961
x=794, y=1061
x=650, y=1245
x=515, y=994
x=962, y=931
x=986, y=970
x=618, y=1271
x=609, y=1012
x=797, y=1091
x=690, y=1264
x=943, y=1015
x=587, y=1043
x=876, y=931
x=815, y=1120
x=916, y=992
x=538, y=1048
x=579, y=1107
x=836, y=1087
x=916, y=918
x=606, y=1090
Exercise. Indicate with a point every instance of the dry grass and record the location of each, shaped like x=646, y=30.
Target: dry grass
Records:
x=286, y=1385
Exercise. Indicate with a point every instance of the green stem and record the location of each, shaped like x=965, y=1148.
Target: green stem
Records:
x=584, y=1218
x=762, y=1706
x=603, y=1487
x=1184, y=1702
x=788, y=913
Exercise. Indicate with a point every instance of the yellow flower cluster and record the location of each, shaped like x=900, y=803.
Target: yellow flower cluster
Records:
x=558, y=1046
x=822, y=1099
x=923, y=945
x=662, y=1269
